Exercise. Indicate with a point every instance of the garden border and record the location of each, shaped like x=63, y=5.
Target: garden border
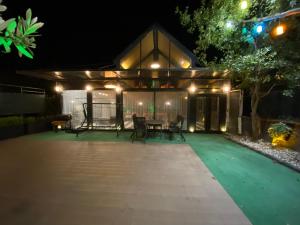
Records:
x=227, y=136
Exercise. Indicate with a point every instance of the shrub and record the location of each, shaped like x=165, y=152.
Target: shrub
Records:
x=11, y=121
x=280, y=129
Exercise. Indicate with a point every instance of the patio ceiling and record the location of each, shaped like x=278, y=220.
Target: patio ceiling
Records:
x=97, y=75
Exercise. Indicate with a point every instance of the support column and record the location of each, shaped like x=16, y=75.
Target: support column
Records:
x=191, y=114
x=119, y=109
x=89, y=109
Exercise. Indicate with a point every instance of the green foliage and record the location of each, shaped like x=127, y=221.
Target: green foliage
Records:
x=252, y=59
x=279, y=129
x=21, y=33
x=11, y=121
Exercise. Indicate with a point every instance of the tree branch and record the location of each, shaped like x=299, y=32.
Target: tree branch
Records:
x=268, y=92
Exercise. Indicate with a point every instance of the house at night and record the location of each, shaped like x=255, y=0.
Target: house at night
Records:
x=155, y=77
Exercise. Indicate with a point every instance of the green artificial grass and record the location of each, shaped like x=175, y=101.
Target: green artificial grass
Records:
x=267, y=192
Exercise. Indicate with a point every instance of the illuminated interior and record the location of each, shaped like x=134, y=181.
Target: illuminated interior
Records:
x=155, y=46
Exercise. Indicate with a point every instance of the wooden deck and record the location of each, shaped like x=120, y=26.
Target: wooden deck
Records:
x=95, y=183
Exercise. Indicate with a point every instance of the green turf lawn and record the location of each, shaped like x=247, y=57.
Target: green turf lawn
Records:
x=267, y=192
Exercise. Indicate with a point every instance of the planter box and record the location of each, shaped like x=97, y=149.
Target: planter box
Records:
x=11, y=132
x=37, y=127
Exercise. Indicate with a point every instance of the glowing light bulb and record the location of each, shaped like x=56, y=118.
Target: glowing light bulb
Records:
x=279, y=30
x=226, y=88
x=88, y=87
x=192, y=129
x=155, y=66
x=229, y=24
x=244, y=4
x=58, y=88
x=259, y=29
x=192, y=89
x=118, y=89
x=140, y=103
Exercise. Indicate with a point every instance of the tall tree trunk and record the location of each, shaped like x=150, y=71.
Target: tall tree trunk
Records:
x=255, y=119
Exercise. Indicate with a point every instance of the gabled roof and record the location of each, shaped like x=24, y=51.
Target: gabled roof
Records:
x=156, y=45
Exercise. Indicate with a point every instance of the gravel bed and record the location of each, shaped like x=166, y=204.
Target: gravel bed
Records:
x=285, y=156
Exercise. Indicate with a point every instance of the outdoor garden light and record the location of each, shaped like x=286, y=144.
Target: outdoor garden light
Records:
x=88, y=74
x=192, y=129
x=110, y=86
x=140, y=103
x=192, y=88
x=118, y=89
x=168, y=103
x=226, y=88
x=229, y=24
x=59, y=127
x=259, y=29
x=279, y=30
x=185, y=97
x=88, y=88
x=223, y=129
x=58, y=88
x=155, y=66
x=214, y=90
x=244, y=4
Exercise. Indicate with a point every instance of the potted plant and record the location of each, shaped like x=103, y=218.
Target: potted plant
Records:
x=282, y=135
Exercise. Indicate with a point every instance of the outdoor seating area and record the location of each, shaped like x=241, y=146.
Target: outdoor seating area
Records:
x=143, y=129
x=139, y=125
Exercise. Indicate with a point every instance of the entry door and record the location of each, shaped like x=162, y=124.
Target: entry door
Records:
x=210, y=112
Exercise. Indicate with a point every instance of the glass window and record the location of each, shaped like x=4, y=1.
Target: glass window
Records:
x=73, y=101
x=170, y=104
x=104, y=108
x=139, y=103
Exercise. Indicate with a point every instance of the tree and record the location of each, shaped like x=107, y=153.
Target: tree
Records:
x=254, y=57
x=20, y=32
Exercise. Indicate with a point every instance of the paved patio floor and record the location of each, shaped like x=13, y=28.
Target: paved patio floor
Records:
x=95, y=183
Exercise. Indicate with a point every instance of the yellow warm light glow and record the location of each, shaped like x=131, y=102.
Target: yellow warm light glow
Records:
x=192, y=88
x=214, y=90
x=192, y=129
x=168, y=103
x=110, y=86
x=215, y=73
x=58, y=88
x=185, y=97
x=88, y=74
x=185, y=64
x=118, y=89
x=125, y=65
x=279, y=30
x=57, y=73
x=226, y=88
x=223, y=129
x=155, y=66
x=88, y=88
x=140, y=103
x=59, y=127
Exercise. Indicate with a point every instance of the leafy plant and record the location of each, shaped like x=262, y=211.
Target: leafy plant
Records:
x=20, y=32
x=10, y=121
x=280, y=129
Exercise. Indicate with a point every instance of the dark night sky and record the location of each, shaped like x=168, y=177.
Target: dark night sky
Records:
x=90, y=32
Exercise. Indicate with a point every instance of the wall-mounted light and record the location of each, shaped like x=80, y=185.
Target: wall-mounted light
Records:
x=88, y=87
x=118, y=89
x=88, y=74
x=58, y=88
x=110, y=86
x=155, y=65
x=223, y=129
x=192, y=89
x=191, y=129
x=214, y=90
x=226, y=88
